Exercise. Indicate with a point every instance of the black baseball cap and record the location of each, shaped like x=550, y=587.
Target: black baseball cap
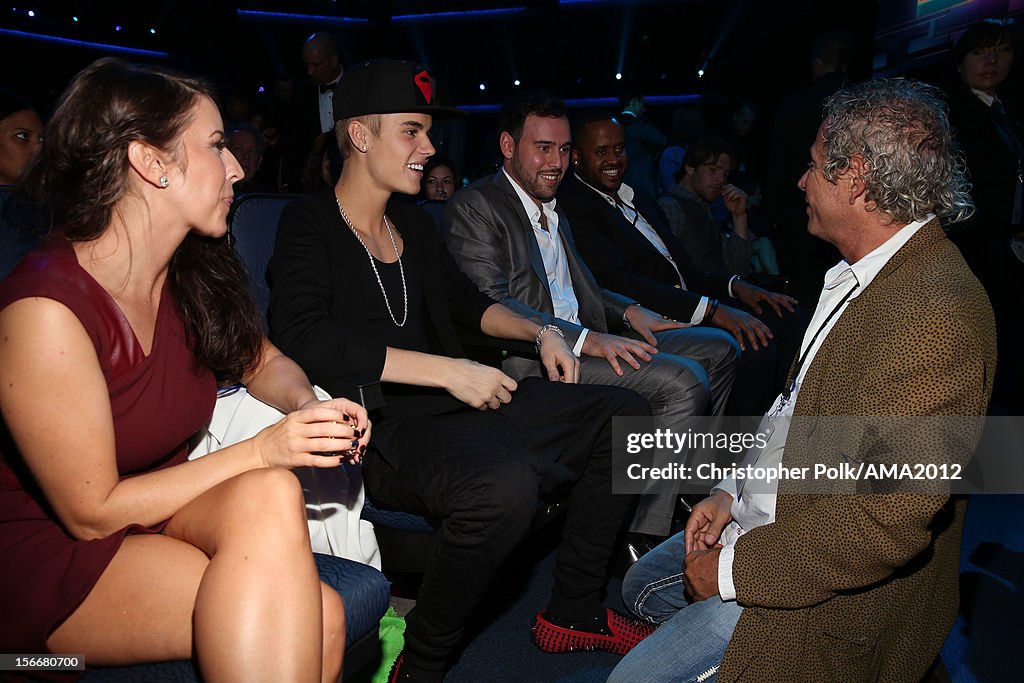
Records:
x=387, y=86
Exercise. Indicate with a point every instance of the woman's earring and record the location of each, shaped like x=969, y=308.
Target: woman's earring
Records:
x=364, y=148
x=164, y=182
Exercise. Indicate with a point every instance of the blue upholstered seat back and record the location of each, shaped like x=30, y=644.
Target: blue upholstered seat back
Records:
x=253, y=225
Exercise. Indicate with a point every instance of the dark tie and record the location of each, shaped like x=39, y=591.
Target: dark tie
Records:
x=543, y=220
x=622, y=204
x=326, y=87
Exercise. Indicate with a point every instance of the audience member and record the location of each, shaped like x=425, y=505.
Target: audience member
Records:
x=787, y=585
x=276, y=142
x=114, y=545
x=510, y=237
x=363, y=288
x=644, y=142
x=802, y=257
x=320, y=55
x=323, y=167
x=703, y=180
x=989, y=129
x=625, y=239
x=687, y=125
x=439, y=182
x=246, y=146
x=312, y=108
x=21, y=136
x=737, y=133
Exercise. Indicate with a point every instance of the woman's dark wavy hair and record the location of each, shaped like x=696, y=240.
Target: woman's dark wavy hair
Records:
x=83, y=171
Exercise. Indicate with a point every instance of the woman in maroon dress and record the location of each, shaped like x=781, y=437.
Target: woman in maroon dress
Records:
x=112, y=338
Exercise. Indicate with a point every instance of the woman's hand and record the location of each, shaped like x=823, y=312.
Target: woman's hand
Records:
x=480, y=386
x=320, y=434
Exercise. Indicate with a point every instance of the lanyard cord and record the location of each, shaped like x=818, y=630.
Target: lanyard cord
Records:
x=795, y=372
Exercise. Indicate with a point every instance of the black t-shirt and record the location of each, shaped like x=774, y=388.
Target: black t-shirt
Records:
x=405, y=399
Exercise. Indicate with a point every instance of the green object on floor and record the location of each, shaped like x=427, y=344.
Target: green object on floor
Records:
x=392, y=639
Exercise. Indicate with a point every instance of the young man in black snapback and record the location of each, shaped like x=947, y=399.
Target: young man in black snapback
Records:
x=362, y=288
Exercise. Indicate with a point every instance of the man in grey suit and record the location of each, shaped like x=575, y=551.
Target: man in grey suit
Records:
x=510, y=238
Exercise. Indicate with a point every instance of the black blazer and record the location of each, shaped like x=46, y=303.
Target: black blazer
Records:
x=320, y=276
x=992, y=164
x=623, y=260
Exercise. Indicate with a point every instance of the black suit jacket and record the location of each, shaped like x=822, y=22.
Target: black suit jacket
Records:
x=306, y=112
x=992, y=164
x=625, y=261
x=320, y=277
x=303, y=130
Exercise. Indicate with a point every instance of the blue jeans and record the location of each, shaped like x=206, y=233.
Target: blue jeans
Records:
x=690, y=643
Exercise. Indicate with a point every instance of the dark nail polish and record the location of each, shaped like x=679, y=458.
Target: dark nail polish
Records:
x=355, y=443
x=362, y=449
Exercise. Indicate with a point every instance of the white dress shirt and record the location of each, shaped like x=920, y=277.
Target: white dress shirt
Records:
x=556, y=265
x=326, y=102
x=751, y=510
x=637, y=220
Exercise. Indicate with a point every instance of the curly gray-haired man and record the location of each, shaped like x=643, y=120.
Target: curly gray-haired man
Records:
x=786, y=585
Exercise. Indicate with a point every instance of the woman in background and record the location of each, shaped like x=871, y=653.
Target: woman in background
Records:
x=437, y=185
x=439, y=180
x=21, y=136
x=113, y=338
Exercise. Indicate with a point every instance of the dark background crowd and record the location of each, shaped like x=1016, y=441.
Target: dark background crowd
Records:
x=751, y=74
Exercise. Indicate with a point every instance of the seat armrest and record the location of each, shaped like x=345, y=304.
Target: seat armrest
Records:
x=368, y=393
x=489, y=350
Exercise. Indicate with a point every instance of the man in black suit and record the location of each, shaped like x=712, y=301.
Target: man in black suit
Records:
x=625, y=239
x=313, y=105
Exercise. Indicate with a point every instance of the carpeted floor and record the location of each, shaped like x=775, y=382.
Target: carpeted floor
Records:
x=986, y=643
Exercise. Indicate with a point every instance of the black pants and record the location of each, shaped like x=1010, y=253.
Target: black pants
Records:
x=762, y=373
x=481, y=474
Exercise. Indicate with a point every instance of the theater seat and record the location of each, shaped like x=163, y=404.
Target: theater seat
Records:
x=253, y=226
x=15, y=241
x=366, y=594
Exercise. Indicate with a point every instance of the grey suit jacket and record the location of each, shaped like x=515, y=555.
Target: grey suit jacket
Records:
x=489, y=234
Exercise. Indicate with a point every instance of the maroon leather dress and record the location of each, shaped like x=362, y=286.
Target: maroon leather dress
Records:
x=158, y=402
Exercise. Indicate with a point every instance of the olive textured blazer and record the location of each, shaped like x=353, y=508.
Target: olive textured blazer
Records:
x=864, y=586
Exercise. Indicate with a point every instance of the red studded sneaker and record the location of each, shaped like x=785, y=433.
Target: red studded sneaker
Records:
x=619, y=635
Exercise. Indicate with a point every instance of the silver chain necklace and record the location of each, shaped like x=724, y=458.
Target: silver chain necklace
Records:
x=380, y=283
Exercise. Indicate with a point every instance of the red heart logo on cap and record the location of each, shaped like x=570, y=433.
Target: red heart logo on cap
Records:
x=422, y=80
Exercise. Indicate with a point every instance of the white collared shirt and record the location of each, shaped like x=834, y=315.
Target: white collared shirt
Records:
x=751, y=510
x=326, y=102
x=556, y=264
x=984, y=97
x=637, y=220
